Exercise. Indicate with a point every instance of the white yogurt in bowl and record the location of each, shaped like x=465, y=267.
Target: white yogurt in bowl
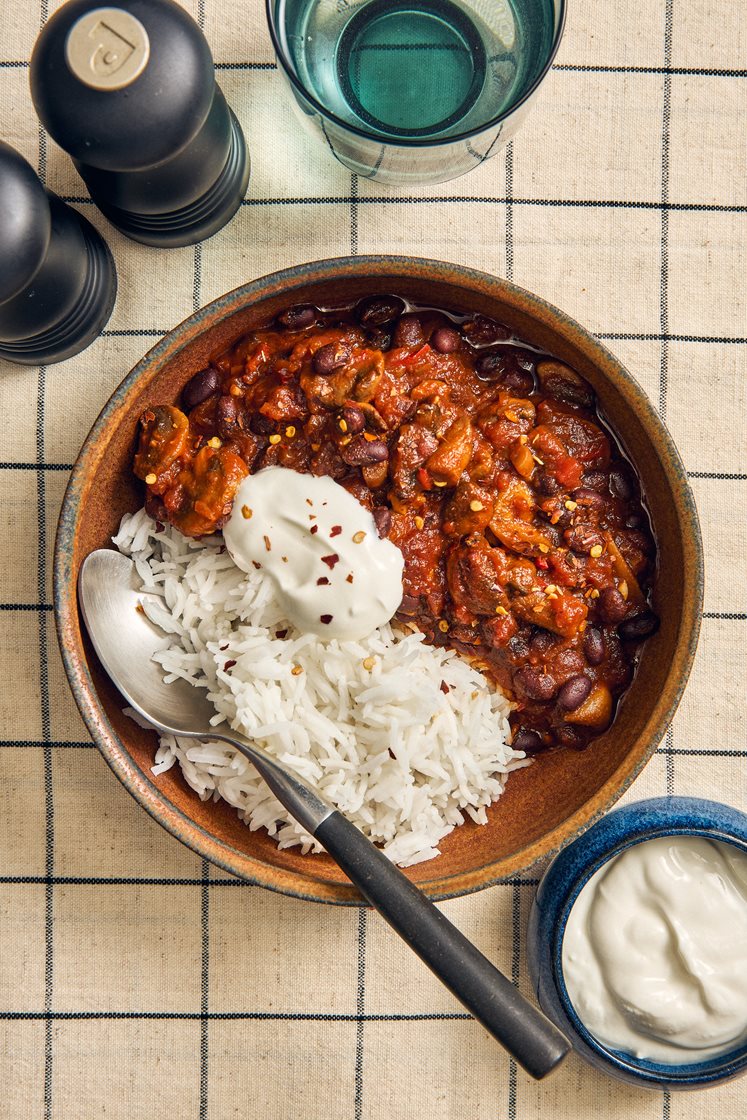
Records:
x=655, y=950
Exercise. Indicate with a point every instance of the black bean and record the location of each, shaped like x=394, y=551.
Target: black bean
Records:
x=261, y=425
x=409, y=331
x=620, y=484
x=383, y=518
x=200, y=387
x=378, y=310
x=536, y=684
x=491, y=366
x=594, y=646
x=330, y=357
x=570, y=392
x=587, y=497
x=379, y=339
x=574, y=692
x=528, y=741
x=635, y=521
x=595, y=480
x=354, y=419
x=446, y=340
x=639, y=627
x=611, y=605
x=361, y=452
x=547, y=484
x=481, y=331
x=518, y=646
x=296, y=318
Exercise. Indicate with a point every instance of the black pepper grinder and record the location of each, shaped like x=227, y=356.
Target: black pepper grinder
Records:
x=130, y=93
x=57, y=277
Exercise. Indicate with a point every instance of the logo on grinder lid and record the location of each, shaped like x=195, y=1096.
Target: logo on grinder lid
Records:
x=107, y=48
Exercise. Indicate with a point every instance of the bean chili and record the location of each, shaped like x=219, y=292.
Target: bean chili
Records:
x=526, y=543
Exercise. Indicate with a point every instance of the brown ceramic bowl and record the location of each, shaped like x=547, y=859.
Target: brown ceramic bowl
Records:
x=545, y=805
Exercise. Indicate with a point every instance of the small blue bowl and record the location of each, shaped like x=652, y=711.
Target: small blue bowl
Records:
x=556, y=894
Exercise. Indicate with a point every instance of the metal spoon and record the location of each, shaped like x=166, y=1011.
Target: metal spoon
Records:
x=125, y=641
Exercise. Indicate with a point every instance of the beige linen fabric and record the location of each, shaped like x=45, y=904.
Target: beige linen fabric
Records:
x=138, y=982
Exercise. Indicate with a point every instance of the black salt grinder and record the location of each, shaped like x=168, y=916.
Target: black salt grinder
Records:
x=130, y=93
x=57, y=278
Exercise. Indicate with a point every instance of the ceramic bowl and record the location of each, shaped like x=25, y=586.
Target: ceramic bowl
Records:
x=556, y=894
x=546, y=804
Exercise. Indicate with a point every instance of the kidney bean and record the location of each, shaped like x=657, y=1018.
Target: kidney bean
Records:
x=355, y=418
x=228, y=417
x=582, y=539
x=481, y=331
x=330, y=357
x=409, y=331
x=570, y=392
x=528, y=741
x=200, y=387
x=574, y=692
x=445, y=340
x=587, y=497
x=568, y=736
x=620, y=484
x=542, y=641
x=296, y=318
x=639, y=627
x=362, y=452
x=611, y=605
x=378, y=310
x=410, y=603
x=594, y=648
x=536, y=684
x=501, y=365
x=518, y=646
x=383, y=518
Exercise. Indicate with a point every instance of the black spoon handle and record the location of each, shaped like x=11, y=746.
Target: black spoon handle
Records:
x=493, y=1000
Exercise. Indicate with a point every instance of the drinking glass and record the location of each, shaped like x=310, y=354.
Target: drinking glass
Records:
x=414, y=91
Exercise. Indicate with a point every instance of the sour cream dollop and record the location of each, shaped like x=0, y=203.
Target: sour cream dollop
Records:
x=655, y=950
x=334, y=575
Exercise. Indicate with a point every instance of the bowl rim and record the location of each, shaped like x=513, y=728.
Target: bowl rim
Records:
x=620, y=830
x=380, y=269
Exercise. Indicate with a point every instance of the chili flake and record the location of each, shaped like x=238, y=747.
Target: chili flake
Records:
x=419, y=522
x=228, y=665
x=151, y=478
x=314, y=529
x=246, y=512
x=322, y=581
x=596, y=551
x=443, y=625
x=290, y=431
x=349, y=577
x=268, y=546
x=275, y=438
x=330, y=560
x=476, y=506
x=215, y=443
x=369, y=663
x=296, y=670
x=335, y=530
x=326, y=618
x=358, y=537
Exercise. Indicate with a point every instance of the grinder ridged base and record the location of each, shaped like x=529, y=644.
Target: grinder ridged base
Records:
x=199, y=220
x=86, y=320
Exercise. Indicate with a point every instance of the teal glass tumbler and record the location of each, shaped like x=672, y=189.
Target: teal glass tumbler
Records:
x=414, y=91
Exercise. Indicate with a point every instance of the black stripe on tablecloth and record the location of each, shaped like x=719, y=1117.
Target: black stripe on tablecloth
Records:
x=515, y=968
x=360, y=1016
x=558, y=67
x=46, y=722
x=437, y=200
x=510, y=210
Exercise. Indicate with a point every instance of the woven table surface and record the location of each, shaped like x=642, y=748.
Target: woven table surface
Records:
x=137, y=981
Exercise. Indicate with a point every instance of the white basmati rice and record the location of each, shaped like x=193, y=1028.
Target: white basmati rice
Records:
x=367, y=723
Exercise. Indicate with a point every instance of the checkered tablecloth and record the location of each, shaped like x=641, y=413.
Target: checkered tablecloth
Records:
x=138, y=982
